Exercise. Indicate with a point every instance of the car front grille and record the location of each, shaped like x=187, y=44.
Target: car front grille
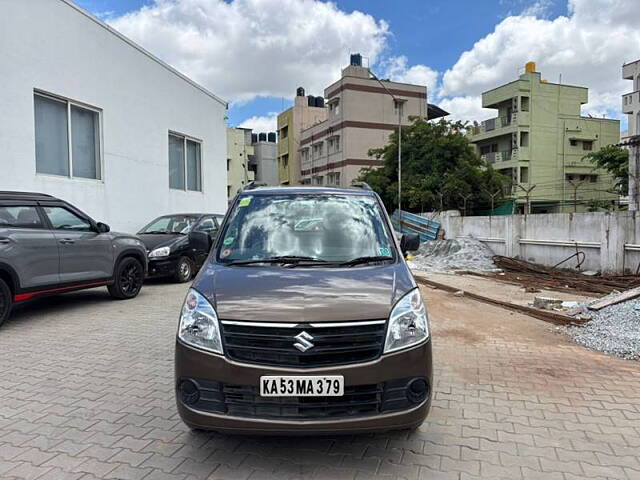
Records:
x=331, y=343
x=245, y=401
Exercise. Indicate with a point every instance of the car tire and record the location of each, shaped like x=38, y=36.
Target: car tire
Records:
x=128, y=278
x=184, y=270
x=5, y=301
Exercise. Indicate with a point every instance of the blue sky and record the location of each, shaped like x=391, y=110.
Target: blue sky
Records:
x=459, y=48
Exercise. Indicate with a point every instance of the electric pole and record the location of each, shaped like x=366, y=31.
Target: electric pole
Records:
x=464, y=202
x=575, y=193
x=527, y=194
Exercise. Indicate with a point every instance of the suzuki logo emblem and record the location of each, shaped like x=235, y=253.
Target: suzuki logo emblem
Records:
x=303, y=341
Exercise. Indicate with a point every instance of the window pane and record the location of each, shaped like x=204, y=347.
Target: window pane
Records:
x=193, y=166
x=85, y=144
x=52, y=146
x=63, y=219
x=176, y=162
x=21, y=217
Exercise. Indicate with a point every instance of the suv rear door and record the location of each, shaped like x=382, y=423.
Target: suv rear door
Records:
x=84, y=253
x=27, y=245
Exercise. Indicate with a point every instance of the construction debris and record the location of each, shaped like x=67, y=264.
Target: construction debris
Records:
x=454, y=255
x=531, y=275
x=547, y=303
x=612, y=300
x=614, y=329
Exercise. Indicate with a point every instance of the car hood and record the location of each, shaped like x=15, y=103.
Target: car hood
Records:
x=157, y=240
x=275, y=294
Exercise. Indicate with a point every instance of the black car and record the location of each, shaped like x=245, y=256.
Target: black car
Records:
x=169, y=250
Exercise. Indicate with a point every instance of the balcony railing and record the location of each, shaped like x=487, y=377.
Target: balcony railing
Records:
x=496, y=157
x=495, y=123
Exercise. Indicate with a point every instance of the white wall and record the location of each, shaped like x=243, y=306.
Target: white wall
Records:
x=51, y=46
x=610, y=241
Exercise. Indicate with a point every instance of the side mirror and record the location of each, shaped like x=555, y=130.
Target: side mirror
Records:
x=102, y=227
x=200, y=241
x=409, y=242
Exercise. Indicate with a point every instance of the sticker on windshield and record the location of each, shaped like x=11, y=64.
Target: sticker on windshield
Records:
x=244, y=202
x=385, y=252
x=228, y=240
x=225, y=253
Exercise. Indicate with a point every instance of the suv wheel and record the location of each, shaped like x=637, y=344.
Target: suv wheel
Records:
x=128, y=279
x=184, y=270
x=5, y=301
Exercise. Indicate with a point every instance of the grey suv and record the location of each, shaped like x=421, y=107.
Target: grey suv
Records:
x=47, y=246
x=305, y=319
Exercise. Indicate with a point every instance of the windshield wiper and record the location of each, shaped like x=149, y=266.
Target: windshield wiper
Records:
x=361, y=260
x=154, y=232
x=286, y=259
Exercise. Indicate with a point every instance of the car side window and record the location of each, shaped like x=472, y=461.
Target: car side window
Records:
x=19, y=217
x=63, y=219
x=207, y=225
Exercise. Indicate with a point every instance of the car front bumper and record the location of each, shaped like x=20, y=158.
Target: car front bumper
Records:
x=191, y=363
x=162, y=267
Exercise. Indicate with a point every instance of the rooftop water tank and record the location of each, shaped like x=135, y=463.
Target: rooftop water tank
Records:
x=300, y=92
x=530, y=67
x=254, y=137
x=356, y=59
x=319, y=101
x=311, y=101
x=272, y=136
x=262, y=137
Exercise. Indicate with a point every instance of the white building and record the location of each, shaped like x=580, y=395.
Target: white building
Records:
x=631, y=106
x=91, y=117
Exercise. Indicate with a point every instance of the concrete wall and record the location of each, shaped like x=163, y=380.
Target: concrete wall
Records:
x=239, y=150
x=265, y=158
x=610, y=241
x=52, y=46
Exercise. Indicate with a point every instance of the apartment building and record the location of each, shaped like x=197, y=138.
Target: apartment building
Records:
x=91, y=117
x=631, y=107
x=239, y=151
x=306, y=111
x=362, y=113
x=539, y=139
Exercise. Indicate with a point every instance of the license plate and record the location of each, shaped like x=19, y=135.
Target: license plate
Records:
x=302, y=386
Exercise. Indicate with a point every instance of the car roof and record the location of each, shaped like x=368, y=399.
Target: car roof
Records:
x=32, y=196
x=284, y=190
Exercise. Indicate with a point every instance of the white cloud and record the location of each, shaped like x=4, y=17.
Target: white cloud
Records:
x=587, y=47
x=465, y=108
x=242, y=49
x=397, y=69
x=261, y=124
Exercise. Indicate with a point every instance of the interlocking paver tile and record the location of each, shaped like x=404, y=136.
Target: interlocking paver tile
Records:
x=512, y=400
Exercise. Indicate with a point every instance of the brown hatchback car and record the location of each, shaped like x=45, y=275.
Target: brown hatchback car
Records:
x=304, y=319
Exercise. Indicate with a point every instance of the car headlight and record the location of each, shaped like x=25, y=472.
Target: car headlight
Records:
x=160, y=252
x=408, y=323
x=199, y=323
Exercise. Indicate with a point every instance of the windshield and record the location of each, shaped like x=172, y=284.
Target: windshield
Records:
x=171, y=224
x=333, y=228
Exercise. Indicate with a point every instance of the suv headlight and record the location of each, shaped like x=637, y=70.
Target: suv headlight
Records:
x=408, y=323
x=199, y=323
x=160, y=252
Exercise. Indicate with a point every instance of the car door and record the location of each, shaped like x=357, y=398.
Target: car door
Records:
x=209, y=225
x=27, y=245
x=85, y=254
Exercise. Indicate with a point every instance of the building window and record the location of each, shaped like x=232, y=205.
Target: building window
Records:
x=319, y=180
x=573, y=142
x=524, y=104
x=284, y=131
x=587, y=145
x=524, y=139
x=285, y=160
x=524, y=174
x=185, y=163
x=67, y=138
x=334, y=107
x=333, y=178
x=228, y=164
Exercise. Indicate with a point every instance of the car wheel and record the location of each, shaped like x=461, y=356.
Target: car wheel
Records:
x=5, y=301
x=184, y=270
x=128, y=279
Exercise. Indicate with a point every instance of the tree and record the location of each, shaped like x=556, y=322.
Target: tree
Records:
x=614, y=160
x=439, y=169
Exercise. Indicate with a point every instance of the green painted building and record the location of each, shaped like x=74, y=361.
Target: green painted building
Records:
x=539, y=139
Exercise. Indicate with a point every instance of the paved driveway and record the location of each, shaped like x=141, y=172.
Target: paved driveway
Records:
x=86, y=392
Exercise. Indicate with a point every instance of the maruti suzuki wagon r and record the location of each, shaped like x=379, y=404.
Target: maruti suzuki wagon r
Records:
x=304, y=319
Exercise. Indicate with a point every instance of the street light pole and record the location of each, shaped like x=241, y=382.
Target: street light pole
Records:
x=399, y=104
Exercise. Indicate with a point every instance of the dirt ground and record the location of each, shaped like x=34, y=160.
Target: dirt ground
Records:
x=499, y=290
